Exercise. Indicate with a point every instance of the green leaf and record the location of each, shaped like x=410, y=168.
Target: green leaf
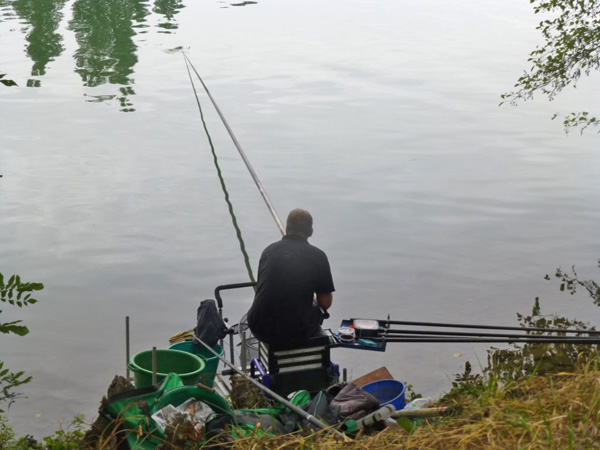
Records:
x=406, y=424
x=12, y=327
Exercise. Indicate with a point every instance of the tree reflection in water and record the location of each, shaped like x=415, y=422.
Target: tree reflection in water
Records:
x=168, y=8
x=522, y=360
x=104, y=31
x=44, y=42
x=541, y=359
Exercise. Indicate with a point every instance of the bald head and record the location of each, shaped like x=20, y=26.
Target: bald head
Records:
x=299, y=221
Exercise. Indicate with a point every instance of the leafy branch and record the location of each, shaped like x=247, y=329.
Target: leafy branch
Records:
x=16, y=293
x=571, y=48
x=570, y=282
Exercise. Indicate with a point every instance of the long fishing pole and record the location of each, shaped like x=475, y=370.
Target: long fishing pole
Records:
x=259, y=185
x=312, y=419
x=450, y=339
x=244, y=158
x=486, y=327
x=241, y=152
x=402, y=333
x=238, y=231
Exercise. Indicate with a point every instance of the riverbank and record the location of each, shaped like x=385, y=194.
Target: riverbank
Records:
x=558, y=411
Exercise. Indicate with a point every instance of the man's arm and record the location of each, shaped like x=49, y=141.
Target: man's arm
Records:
x=325, y=300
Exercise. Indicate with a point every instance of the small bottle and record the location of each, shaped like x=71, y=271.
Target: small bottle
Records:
x=419, y=403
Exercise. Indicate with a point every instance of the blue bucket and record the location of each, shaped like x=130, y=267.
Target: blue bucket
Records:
x=388, y=392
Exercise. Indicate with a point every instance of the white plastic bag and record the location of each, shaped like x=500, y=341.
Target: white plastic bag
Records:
x=191, y=411
x=419, y=403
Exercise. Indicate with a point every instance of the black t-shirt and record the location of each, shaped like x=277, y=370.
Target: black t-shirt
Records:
x=290, y=271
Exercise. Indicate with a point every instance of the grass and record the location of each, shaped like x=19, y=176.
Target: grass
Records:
x=553, y=412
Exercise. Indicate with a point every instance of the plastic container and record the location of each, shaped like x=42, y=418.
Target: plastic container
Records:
x=189, y=367
x=211, y=361
x=388, y=392
x=419, y=403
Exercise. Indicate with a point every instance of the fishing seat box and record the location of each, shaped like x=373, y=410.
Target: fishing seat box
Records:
x=290, y=368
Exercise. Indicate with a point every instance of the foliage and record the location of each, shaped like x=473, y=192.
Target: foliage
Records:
x=15, y=293
x=72, y=439
x=8, y=382
x=522, y=361
x=12, y=293
x=571, y=48
x=69, y=439
x=570, y=282
x=550, y=412
x=410, y=393
x=545, y=413
x=8, y=441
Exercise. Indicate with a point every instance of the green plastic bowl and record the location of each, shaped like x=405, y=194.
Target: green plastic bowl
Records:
x=188, y=366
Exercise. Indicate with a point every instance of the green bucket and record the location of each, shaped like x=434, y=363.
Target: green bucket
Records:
x=189, y=367
x=212, y=362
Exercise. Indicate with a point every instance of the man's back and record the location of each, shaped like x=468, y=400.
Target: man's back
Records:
x=290, y=272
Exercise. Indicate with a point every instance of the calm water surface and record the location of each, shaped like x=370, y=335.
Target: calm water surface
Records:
x=381, y=118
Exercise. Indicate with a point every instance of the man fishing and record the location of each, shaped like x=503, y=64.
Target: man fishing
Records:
x=291, y=273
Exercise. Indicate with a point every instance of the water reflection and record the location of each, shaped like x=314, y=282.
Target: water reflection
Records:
x=105, y=32
x=570, y=282
x=44, y=42
x=542, y=359
x=107, y=53
x=168, y=8
x=227, y=4
x=6, y=82
x=522, y=360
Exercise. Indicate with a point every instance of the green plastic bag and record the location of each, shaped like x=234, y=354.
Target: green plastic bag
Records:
x=131, y=411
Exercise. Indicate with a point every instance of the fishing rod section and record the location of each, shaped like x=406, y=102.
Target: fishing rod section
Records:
x=375, y=334
x=257, y=181
x=238, y=146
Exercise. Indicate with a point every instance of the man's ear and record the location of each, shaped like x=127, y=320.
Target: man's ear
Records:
x=286, y=229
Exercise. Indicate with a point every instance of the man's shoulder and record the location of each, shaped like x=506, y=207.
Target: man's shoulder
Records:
x=302, y=246
x=316, y=249
x=271, y=247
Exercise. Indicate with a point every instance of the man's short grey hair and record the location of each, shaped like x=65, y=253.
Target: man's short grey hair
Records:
x=299, y=221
